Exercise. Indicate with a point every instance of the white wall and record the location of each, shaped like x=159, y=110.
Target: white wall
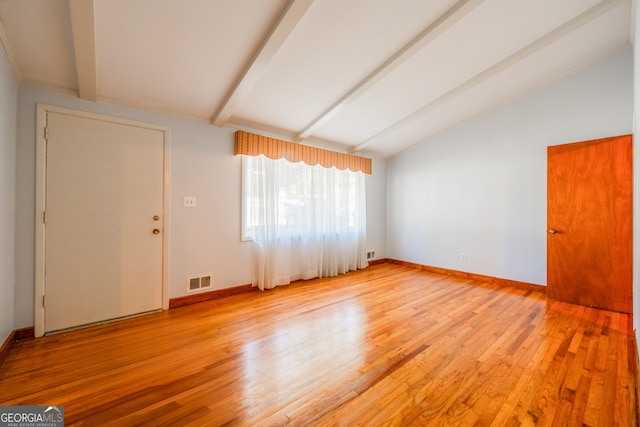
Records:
x=203, y=240
x=8, y=102
x=481, y=188
x=376, y=185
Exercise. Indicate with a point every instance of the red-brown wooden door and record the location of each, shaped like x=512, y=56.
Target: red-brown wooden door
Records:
x=589, y=223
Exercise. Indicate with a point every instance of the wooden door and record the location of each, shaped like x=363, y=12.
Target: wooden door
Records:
x=589, y=223
x=104, y=199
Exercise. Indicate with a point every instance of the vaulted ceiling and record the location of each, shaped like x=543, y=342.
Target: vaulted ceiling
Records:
x=365, y=75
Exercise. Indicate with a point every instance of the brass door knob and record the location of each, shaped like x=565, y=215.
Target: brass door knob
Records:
x=156, y=217
x=156, y=231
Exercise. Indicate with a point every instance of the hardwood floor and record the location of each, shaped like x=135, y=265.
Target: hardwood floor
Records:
x=388, y=345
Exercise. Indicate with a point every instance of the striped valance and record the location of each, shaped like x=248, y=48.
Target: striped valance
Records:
x=252, y=144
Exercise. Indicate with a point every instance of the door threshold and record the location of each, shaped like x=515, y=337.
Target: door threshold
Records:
x=101, y=322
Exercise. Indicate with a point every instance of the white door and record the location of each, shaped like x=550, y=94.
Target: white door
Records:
x=103, y=232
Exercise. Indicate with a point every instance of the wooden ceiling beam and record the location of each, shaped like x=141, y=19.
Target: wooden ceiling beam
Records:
x=84, y=44
x=562, y=30
x=272, y=44
x=444, y=22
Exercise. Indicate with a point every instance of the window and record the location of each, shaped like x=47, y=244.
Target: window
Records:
x=305, y=221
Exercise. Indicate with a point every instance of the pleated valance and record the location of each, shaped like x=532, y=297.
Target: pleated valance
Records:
x=252, y=144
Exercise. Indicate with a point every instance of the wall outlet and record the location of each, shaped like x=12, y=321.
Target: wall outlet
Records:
x=189, y=202
x=371, y=254
x=463, y=257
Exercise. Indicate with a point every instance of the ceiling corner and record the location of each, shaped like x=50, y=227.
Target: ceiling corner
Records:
x=4, y=39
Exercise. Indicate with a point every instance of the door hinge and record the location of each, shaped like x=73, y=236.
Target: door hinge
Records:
x=44, y=301
x=46, y=133
x=45, y=218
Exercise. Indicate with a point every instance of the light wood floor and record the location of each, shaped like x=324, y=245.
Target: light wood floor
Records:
x=385, y=346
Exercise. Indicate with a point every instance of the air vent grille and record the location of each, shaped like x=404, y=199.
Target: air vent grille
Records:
x=205, y=282
x=197, y=283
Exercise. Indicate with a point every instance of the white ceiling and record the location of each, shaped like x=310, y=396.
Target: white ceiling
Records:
x=377, y=76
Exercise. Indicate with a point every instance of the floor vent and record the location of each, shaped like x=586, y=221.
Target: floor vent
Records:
x=198, y=282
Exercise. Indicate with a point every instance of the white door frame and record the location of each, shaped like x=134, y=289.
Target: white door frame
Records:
x=41, y=176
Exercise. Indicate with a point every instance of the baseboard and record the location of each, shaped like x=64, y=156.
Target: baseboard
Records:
x=6, y=346
x=473, y=276
x=206, y=296
x=25, y=333
x=633, y=356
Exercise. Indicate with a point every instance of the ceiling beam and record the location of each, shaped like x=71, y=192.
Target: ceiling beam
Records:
x=435, y=29
x=272, y=44
x=526, y=51
x=84, y=44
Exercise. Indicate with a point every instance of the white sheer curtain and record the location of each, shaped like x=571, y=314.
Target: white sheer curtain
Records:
x=305, y=221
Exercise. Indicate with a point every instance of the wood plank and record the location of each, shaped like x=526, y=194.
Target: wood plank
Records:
x=388, y=345
x=473, y=276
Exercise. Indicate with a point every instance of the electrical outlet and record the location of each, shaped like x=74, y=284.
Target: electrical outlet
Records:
x=189, y=202
x=463, y=257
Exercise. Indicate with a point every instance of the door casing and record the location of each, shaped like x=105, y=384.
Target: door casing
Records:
x=41, y=151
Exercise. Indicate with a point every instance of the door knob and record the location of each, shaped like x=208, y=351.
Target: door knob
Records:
x=156, y=231
x=552, y=231
x=156, y=217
